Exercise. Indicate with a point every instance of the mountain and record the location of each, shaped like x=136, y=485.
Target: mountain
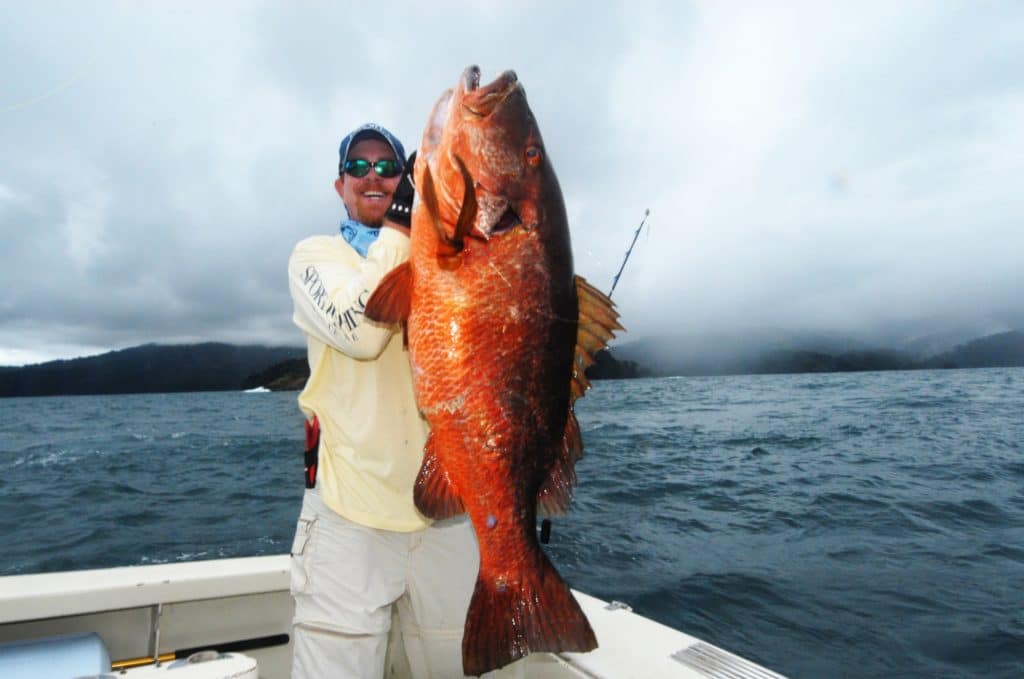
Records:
x=763, y=351
x=817, y=362
x=607, y=367
x=756, y=350
x=214, y=366
x=209, y=366
x=995, y=351
x=145, y=369
x=292, y=374
x=284, y=376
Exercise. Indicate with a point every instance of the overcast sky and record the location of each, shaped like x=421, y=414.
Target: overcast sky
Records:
x=853, y=167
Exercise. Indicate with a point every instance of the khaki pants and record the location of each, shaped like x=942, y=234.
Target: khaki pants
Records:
x=345, y=577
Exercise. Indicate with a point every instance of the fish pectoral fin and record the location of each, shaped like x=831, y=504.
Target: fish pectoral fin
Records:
x=467, y=214
x=598, y=320
x=447, y=247
x=434, y=493
x=556, y=491
x=392, y=298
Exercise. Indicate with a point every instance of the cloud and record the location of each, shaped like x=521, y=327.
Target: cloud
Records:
x=760, y=114
x=845, y=166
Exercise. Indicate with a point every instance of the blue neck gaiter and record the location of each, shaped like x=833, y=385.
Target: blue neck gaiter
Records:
x=358, y=235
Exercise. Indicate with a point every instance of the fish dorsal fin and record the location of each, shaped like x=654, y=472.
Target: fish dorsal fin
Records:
x=597, y=323
x=392, y=298
x=433, y=492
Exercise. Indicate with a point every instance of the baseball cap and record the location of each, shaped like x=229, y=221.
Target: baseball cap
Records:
x=369, y=131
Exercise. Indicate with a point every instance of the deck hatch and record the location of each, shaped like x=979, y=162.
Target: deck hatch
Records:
x=718, y=664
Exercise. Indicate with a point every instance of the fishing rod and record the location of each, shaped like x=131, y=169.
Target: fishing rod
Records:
x=226, y=647
x=629, y=251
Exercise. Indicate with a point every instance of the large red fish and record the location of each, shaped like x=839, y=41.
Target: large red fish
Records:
x=500, y=332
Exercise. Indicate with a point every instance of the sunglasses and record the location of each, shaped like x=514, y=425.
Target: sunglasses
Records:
x=360, y=167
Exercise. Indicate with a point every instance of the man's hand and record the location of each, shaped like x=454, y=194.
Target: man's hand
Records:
x=400, y=212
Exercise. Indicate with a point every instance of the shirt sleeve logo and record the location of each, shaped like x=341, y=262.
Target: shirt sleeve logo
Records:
x=347, y=321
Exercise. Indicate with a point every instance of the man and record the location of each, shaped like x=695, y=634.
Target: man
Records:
x=361, y=545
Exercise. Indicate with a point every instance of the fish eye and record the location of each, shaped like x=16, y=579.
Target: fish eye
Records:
x=533, y=155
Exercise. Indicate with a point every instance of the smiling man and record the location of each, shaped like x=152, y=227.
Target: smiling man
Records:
x=361, y=546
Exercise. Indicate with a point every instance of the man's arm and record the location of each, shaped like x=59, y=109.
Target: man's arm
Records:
x=329, y=295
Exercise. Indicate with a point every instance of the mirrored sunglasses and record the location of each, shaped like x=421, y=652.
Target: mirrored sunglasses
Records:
x=360, y=167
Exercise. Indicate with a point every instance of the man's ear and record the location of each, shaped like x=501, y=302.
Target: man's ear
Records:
x=339, y=185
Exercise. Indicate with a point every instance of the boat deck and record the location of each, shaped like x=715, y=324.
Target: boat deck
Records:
x=141, y=612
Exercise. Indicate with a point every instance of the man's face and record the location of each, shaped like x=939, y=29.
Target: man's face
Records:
x=368, y=198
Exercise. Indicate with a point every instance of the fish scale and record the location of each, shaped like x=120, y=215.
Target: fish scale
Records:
x=499, y=331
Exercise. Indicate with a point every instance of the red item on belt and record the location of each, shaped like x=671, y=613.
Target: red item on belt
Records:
x=312, y=450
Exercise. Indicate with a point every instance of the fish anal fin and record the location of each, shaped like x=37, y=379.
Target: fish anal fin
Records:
x=392, y=298
x=556, y=491
x=434, y=494
x=508, y=619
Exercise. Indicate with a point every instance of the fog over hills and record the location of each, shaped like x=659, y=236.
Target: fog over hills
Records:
x=774, y=351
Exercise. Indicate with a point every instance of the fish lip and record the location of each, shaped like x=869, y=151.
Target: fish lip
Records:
x=481, y=100
x=471, y=78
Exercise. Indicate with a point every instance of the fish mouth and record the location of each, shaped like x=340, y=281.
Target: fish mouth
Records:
x=494, y=215
x=509, y=220
x=481, y=100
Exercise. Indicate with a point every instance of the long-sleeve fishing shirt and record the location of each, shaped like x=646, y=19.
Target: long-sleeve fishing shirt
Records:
x=360, y=384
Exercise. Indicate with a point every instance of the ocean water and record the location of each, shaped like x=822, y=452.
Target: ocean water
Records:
x=854, y=525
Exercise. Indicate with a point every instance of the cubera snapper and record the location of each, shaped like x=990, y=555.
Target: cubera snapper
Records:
x=499, y=331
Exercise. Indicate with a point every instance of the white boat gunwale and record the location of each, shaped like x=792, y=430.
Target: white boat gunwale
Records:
x=150, y=609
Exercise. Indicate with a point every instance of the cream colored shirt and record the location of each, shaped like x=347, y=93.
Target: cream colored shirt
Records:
x=360, y=384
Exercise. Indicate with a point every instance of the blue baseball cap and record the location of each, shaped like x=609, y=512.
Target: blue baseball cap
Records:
x=369, y=131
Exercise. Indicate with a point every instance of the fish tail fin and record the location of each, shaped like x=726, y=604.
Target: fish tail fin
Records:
x=508, y=620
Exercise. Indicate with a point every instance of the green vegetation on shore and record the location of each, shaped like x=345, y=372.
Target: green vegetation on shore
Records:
x=149, y=368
